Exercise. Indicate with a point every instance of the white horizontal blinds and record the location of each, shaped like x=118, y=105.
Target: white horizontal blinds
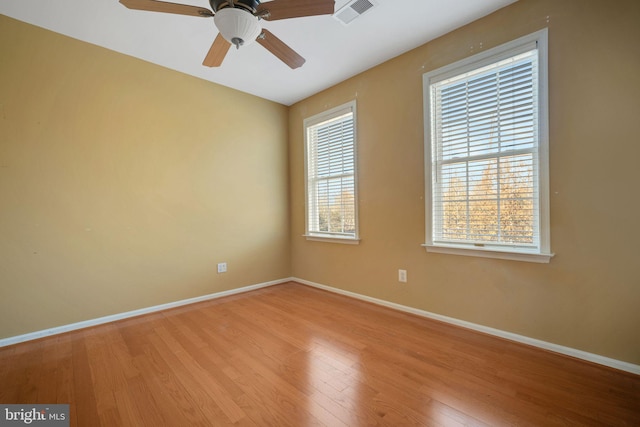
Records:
x=331, y=179
x=485, y=183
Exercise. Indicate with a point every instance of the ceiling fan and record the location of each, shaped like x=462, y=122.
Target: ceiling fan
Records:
x=238, y=23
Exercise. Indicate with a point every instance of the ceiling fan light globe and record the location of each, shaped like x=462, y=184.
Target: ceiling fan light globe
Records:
x=237, y=24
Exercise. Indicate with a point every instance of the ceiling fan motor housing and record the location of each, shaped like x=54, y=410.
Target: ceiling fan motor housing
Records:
x=250, y=5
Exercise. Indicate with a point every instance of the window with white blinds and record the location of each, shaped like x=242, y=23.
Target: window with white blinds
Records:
x=487, y=155
x=331, y=174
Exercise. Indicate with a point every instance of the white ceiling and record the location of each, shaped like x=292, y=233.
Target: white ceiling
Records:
x=334, y=51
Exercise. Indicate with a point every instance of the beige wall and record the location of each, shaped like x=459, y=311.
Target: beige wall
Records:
x=122, y=184
x=588, y=297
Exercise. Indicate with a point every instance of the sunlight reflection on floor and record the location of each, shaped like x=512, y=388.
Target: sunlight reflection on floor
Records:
x=334, y=376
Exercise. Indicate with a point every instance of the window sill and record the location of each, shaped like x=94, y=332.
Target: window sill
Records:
x=489, y=253
x=343, y=240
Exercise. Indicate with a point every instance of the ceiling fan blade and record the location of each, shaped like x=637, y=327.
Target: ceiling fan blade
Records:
x=217, y=52
x=161, y=6
x=284, y=9
x=280, y=49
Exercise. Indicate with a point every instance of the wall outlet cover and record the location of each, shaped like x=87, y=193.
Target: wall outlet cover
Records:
x=402, y=276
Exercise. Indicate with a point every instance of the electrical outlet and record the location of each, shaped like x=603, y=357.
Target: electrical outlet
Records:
x=222, y=267
x=402, y=276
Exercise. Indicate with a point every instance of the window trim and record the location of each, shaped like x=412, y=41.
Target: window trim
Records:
x=314, y=120
x=542, y=254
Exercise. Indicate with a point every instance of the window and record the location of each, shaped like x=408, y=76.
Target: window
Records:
x=330, y=151
x=486, y=157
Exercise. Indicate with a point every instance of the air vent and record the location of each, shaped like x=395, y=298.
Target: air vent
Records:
x=353, y=9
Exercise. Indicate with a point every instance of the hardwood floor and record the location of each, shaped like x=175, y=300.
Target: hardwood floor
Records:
x=291, y=355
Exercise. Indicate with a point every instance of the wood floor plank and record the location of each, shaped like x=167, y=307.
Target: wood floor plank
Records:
x=292, y=355
x=139, y=399
x=85, y=407
x=172, y=400
x=208, y=395
x=257, y=365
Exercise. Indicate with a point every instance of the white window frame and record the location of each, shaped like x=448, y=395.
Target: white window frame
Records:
x=312, y=233
x=542, y=253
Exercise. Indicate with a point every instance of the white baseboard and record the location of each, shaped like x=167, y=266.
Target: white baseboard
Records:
x=568, y=351
x=112, y=318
